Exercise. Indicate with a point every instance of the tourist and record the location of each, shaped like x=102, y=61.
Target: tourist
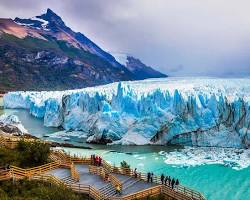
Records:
x=118, y=189
x=177, y=183
x=151, y=177
x=97, y=160
x=100, y=161
x=166, y=180
x=162, y=179
x=172, y=183
x=94, y=157
x=135, y=172
x=169, y=181
x=148, y=176
x=140, y=175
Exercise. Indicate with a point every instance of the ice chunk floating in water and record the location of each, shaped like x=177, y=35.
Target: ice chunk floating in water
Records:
x=188, y=111
x=190, y=156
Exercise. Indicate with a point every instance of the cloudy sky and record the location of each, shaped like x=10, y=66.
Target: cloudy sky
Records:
x=178, y=37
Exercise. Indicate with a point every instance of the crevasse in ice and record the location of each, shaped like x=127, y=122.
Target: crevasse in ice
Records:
x=188, y=111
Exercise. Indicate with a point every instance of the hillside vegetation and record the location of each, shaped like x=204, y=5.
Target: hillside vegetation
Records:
x=36, y=64
x=25, y=155
x=36, y=190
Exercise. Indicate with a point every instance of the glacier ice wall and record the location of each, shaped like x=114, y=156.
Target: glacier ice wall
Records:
x=187, y=111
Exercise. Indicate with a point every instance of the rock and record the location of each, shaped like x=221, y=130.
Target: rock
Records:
x=11, y=124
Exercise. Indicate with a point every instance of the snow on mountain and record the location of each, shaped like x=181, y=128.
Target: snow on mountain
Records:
x=187, y=111
x=53, y=24
x=139, y=69
x=33, y=22
x=121, y=58
x=43, y=53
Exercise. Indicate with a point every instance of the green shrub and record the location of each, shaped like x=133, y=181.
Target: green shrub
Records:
x=26, y=154
x=3, y=195
x=33, y=153
x=8, y=156
x=124, y=164
x=36, y=190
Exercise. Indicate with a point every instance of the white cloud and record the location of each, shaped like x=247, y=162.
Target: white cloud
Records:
x=204, y=37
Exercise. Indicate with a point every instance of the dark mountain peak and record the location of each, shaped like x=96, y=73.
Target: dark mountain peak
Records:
x=133, y=60
x=53, y=25
x=51, y=16
x=47, y=21
x=50, y=12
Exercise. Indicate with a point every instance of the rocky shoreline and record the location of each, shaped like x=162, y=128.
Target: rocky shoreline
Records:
x=11, y=125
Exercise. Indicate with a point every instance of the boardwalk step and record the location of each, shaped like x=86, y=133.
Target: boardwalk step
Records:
x=130, y=184
x=108, y=190
x=127, y=180
x=68, y=180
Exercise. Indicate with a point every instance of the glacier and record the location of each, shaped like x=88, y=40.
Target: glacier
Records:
x=201, y=111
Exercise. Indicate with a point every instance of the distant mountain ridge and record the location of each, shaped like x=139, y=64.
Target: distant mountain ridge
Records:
x=52, y=23
x=42, y=53
x=139, y=69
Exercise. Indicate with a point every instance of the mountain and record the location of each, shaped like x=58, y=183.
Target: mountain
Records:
x=42, y=53
x=139, y=69
x=54, y=26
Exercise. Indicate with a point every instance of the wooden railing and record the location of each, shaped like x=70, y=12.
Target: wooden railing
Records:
x=60, y=155
x=87, y=189
x=4, y=174
x=64, y=160
x=107, y=166
x=144, y=193
x=49, y=178
x=74, y=173
x=100, y=171
x=81, y=188
x=156, y=179
x=85, y=161
x=183, y=192
x=20, y=172
x=9, y=143
x=115, y=181
x=180, y=189
x=123, y=171
x=12, y=141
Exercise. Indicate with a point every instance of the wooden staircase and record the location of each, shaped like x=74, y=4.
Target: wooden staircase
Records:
x=129, y=183
x=106, y=171
x=69, y=180
x=108, y=191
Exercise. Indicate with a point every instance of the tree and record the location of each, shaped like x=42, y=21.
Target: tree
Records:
x=33, y=153
x=124, y=164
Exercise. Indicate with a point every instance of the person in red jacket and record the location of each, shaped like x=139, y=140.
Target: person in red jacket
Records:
x=100, y=161
x=97, y=160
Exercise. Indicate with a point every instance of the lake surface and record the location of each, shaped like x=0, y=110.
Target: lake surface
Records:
x=215, y=181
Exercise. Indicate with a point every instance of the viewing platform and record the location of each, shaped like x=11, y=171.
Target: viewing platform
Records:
x=99, y=182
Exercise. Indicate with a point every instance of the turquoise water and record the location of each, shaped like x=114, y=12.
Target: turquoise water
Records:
x=216, y=182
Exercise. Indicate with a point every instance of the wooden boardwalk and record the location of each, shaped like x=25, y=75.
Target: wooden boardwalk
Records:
x=129, y=184
x=98, y=182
